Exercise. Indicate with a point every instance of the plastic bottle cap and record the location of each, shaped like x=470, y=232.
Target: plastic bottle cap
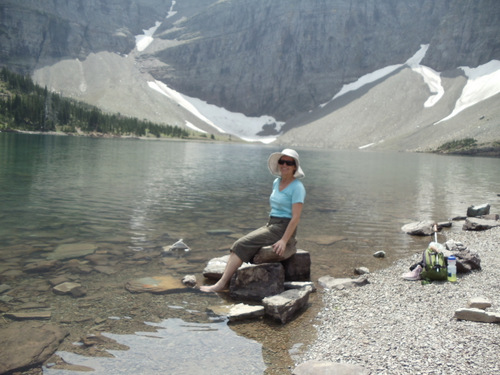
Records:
x=452, y=257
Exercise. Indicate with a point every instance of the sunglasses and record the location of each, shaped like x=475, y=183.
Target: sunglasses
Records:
x=287, y=162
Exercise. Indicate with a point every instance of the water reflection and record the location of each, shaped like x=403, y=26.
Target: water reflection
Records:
x=176, y=348
x=120, y=194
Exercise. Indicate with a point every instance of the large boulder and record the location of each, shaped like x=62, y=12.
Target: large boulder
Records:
x=419, y=228
x=475, y=211
x=467, y=260
x=267, y=255
x=298, y=266
x=255, y=282
x=283, y=306
x=28, y=344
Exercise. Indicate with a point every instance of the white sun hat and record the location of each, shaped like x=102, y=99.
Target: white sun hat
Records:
x=272, y=162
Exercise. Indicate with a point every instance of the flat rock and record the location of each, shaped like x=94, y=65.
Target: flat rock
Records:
x=237, y=312
x=300, y=285
x=329, y=368
x=155, y=284
x=342, y=283
x=71, y=288
x=479, y=303
x=72, y=250
x=4, y=288
x=477, y=224
x=28, y=344
x=283, y=306
x=477, y=315
x=419, y=228
x=31, y=315
x=41, y=266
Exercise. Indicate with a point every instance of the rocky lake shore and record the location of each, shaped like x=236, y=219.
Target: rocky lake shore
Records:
x=395, y=326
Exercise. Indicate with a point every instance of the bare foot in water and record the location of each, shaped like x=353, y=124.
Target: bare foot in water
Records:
x=212, y=288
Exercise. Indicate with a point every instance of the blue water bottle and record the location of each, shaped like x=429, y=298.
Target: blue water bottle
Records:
x=452, y=268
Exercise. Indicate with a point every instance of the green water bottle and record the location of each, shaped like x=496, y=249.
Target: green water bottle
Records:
x=452, y=268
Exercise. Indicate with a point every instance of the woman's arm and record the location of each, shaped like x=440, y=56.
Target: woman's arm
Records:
x=280, y=246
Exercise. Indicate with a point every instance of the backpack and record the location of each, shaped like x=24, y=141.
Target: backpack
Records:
x=434, y=263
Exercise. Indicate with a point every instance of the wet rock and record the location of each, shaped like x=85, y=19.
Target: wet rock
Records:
x=4, y=288
x=28, y=344
x=73, y=289
x=300, y=285
x=178, y=246
x=475, y=211
x=189, y=281
x=215, y=268
x=58, y=280
x=379, y=254
x=76, y=266
x=325, y=367
x=267, y=255
x=155, y=284
x=361, y=271
x=477, y=315
x=298, y=266
x=41, y=266
x=107, y=270
x=419, y=228
x=238, y=312
x=283, y=306
x=254, y=282
x=479, y=224
x=342, y=283
x=97, y=339
x=70, y=251
x=101, y=260
x=31, y=315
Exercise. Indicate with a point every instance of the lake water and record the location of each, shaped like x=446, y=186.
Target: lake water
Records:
x=142, y=195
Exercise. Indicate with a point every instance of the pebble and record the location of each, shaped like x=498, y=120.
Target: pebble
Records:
x=394, y=326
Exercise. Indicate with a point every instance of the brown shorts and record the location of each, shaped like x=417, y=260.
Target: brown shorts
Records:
x=247, y=246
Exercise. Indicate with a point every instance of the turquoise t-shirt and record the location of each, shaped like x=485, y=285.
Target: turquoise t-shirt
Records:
x=281, y=201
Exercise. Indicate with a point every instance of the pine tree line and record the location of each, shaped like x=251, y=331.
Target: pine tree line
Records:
x=27, y=106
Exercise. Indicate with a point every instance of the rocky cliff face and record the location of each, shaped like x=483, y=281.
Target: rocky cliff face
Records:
x=285, y=57
x=34, y=33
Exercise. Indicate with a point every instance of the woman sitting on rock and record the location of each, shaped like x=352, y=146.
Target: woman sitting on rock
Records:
x=287, y=199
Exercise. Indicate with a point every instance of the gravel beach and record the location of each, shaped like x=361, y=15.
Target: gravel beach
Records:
x=394, y=326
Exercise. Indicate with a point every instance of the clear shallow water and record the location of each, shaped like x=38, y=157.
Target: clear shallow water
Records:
x=176, y=348
x=143, y=195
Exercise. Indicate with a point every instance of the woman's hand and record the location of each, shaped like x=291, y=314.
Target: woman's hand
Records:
x=279, y=247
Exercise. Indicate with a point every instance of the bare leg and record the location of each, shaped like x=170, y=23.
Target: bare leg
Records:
x=233, y=263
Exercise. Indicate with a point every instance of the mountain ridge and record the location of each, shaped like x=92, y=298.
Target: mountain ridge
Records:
x=273, y=63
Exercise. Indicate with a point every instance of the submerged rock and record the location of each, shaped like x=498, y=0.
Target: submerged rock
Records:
x=72, y=250
x=28, y=344
x=155, y=284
